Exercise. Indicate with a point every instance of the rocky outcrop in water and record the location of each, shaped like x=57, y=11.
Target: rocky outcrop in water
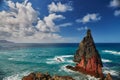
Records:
x=87, y=58
x=41, y=76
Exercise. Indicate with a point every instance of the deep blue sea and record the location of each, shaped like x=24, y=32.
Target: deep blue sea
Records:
x=18, y=60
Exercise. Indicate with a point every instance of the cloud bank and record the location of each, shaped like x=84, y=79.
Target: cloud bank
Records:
x=22, y=24
x=115, y=3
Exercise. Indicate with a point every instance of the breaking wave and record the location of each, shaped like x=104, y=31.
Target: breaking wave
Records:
x=10, y=58
x=112, y=72
x=16, y=76
x=12, y=77
x=106, y=70
x=77, y=75
x=92, y=78
x=59, y=59
x=112, y=52
x=106, y=60
x=63, y=68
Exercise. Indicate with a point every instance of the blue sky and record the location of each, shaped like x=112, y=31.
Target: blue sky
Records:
x=59, y=21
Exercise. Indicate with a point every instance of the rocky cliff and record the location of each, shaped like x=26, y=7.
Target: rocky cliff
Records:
x=87, y=58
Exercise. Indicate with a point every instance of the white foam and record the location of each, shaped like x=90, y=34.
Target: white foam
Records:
x=51, y=62
x=16, y=76
x=106, y=60
x=59, y=59
x=55, y=60
x=12, y=77
x=63, y=68
x=82, y=77
x=112, y=52
x=92, y=77
x=107, y=70
x=10, y=58
x=67, y=56
x=69, y=61
x=15, y=59
x=112, y=72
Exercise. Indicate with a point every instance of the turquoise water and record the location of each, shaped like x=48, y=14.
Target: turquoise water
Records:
x=18, y=60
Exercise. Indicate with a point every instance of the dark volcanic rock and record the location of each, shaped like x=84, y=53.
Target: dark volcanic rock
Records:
x=40, y=76
x=87, y=58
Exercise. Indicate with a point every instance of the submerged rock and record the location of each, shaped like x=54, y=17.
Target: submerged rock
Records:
x=87, y=58
x=41, y=76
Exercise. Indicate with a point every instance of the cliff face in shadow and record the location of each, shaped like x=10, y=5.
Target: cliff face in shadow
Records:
x=87, y=58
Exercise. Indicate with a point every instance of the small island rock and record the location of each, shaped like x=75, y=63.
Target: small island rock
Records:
x=87, y=58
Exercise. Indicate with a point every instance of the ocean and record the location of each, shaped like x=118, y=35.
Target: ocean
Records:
x=20, y=59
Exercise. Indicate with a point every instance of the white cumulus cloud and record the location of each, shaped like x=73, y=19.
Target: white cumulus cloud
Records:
x=89, y=18
x=59, y=7
x=18, y=21
x=114, y=3
x=117, y=13
x=47, y=24
x=22, y=24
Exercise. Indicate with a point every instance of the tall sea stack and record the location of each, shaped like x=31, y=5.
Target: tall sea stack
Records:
x=87, y=58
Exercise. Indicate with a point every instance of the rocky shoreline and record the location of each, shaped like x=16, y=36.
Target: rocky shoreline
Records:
x=41, y=76
x=47, y=76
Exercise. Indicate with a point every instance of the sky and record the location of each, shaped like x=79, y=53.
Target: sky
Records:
x=59, y=21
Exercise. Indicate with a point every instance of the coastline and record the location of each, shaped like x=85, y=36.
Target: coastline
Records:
x=23, y=65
